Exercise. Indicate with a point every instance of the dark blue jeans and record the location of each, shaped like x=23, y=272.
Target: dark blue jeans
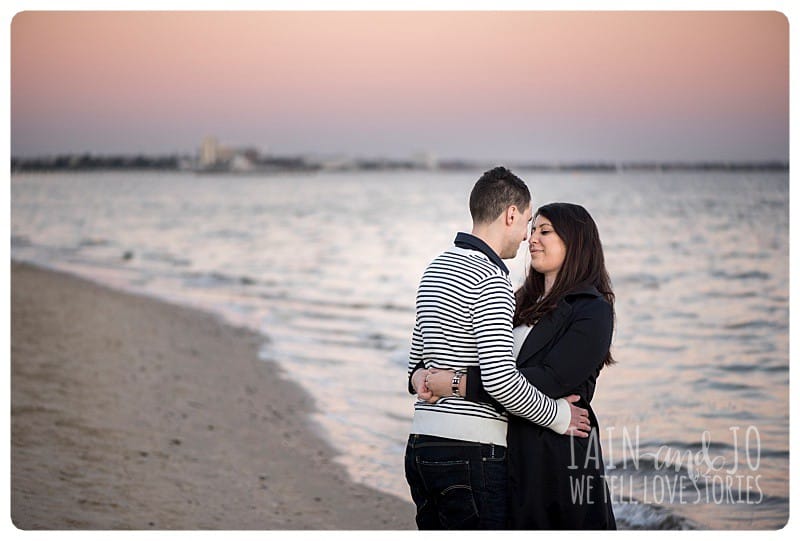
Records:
x=457, y=485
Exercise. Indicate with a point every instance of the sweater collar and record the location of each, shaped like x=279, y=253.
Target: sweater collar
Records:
x=471, y=242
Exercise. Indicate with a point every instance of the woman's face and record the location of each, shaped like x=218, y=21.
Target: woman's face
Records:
x=547, y=249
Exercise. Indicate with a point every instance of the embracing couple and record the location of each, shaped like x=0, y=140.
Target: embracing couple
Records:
x=504, y=379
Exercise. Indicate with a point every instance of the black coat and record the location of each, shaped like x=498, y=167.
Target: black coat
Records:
x=557, y=482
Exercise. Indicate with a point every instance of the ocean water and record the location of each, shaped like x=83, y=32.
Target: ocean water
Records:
x=694, y=417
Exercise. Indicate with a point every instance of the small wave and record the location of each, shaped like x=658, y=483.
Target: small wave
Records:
x=722, y=385
x=773, y=204
x=322, y=336
x=357, y=305
x=754, y=324
x=763, y=366
x=217, y=279
x=379, y=341
x=399, y=357
x=680, y=457
x=164, y=257
x=648, y=462
x=89, y=242
x=669, y=458
x=657, y=347
x=647, y=281
x=734, y=416
x=385, y=306
x=20, y=241
x=639, y=516
x=289, y=357
x=397, y=307
x=315, y=314
x=684, y=445
x=775, y=500
x=749, y=275
x=397, y=417
x=774, y=453
x=230, y=234
x=682, y=315
x=744, y=255
x=730, y=294
x=776, y=368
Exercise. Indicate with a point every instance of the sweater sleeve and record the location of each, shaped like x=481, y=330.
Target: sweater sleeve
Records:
x=415, y=355
x=492, y=314
x=576, y=356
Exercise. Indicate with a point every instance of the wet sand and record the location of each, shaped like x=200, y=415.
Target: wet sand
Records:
x=130, y=413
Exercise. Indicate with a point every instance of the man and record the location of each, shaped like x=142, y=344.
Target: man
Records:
x=455, y=458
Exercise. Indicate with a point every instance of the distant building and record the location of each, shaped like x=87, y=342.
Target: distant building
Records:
x=214, y=156
x=426, y=160
x=332, y=162
x=241, y=164
x=209, y=152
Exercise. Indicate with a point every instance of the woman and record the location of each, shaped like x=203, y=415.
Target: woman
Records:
x=563, y=321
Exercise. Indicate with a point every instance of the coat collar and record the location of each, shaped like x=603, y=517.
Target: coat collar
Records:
x=583, y=290
x=471, y=242
x=549, y=325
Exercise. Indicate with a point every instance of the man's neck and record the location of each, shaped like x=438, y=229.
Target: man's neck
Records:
x=489, y=236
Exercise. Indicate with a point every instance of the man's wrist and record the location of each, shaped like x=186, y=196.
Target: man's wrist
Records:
x=455, y=386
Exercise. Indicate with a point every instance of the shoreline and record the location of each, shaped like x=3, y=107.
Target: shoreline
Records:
x=128, y=412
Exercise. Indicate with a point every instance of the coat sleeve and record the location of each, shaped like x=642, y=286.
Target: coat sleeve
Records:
x=576, y=356
x=475, y=390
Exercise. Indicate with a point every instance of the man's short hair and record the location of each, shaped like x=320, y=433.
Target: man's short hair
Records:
x=495, y=191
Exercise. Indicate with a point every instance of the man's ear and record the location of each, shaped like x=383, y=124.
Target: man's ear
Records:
x=511, y=214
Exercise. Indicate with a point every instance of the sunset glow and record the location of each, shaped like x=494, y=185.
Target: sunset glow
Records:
x=523, y=85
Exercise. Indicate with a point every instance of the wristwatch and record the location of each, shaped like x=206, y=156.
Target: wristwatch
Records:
x=456, y=381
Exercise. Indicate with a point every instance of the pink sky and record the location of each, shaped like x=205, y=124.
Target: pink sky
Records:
x=506, y=85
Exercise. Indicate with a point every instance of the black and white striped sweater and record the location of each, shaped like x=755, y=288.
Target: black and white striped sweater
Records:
x=465, y=309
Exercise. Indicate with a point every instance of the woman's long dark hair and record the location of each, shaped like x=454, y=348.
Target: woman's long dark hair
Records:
x=584, y=265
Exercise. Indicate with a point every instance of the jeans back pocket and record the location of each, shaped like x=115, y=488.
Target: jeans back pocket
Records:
x=449, y=482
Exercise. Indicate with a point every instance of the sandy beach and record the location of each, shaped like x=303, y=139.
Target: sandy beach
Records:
x=129, y=413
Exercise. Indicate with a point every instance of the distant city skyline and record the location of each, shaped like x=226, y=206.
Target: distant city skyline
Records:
x=517, y=86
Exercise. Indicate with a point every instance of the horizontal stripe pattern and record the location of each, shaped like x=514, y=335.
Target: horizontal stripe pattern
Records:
x=465, y=308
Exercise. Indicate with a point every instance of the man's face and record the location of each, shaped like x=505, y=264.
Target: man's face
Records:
x=517, y=231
